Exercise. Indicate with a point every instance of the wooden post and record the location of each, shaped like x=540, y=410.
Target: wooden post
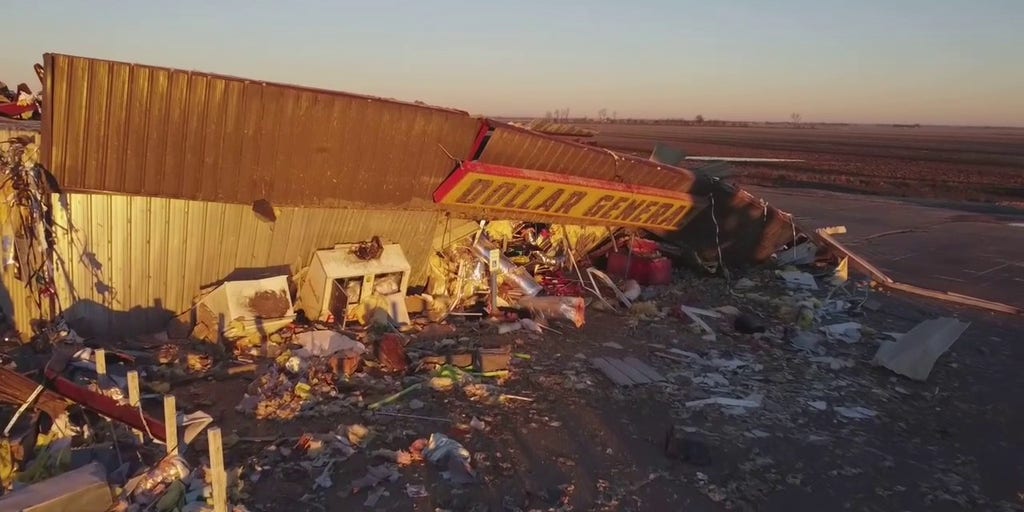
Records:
x=218, y=477
x=171, y=424
x=134, y=398
x=101, y=362
x=493, y=267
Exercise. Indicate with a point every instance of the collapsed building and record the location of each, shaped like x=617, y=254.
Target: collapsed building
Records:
x=155, y=174
x=214, y=210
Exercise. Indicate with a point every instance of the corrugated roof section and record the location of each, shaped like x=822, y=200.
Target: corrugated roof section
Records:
x=135, y=129
x=131, y=261
x=517, y=147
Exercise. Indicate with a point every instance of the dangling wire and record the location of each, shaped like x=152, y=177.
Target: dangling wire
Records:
x=718, y=241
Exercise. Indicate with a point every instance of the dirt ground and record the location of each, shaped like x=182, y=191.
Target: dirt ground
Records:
x=960, y=163
x=950, y=443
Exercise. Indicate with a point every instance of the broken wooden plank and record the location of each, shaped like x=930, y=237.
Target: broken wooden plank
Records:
x=616, y=376
x=219, y=480
x=955, y=298
x=16, y=389
x=855, y=259
x=171, y=425
x=634, y=374
x=643, y=368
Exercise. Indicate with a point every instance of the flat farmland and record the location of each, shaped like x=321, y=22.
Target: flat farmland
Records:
x=935, y=162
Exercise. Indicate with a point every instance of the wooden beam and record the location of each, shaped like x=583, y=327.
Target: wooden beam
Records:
x=135, y=398
x=218, y=477
x=101, y=362
x=170, y=424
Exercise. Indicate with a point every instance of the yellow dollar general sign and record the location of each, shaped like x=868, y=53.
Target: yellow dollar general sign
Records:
x=495, y=187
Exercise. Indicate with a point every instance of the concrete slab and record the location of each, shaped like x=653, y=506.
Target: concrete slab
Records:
x=947, y=247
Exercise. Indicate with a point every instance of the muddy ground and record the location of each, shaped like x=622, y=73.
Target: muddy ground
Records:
x=950, y=443
x=959, y=163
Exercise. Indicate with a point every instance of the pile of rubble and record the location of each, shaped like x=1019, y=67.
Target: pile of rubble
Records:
x=20, y=102
x=765, y=350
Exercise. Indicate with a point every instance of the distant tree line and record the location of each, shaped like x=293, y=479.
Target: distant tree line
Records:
x=795, y=120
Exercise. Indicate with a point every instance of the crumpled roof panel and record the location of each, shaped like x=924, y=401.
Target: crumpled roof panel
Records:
x=135, y=129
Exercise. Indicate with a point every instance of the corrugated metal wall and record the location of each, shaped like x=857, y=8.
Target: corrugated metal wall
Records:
x=163, y=165
x=10, y=129
x=134, y=129
x=131, y=261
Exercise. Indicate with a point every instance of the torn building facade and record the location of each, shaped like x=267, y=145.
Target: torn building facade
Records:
x=158, y=171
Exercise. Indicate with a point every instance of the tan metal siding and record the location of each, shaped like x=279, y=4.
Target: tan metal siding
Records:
x=12, y=129
x=517, y=147
x=134, y=129
x=133, y=260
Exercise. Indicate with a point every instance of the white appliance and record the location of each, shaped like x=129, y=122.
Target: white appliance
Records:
x=338, y=280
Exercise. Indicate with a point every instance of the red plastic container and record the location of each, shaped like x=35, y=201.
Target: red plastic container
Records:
x=645, y=270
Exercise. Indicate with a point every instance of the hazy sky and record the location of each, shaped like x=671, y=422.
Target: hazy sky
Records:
x=927, y=61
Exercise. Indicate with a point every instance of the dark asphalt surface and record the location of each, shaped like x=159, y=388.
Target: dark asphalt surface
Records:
x=950, y=247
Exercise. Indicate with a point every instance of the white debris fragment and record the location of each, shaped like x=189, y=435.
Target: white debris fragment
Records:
x=751, y=401
x=530, y=325
x=711, y=380
x=508, y=327
x=325, y=343
x=728, y=310
x=734, y=411
x=695, y=314
x=805, y=340
x=847, y=332
x=631, y=289
x=855, y=413
x=797, y=279
x=914, y=354
x=688, y=355
x=743, y=284
x=802, y=254
x=612, y=344
x=477, y=424
x=834, y=306
x=818, y=405
x=700, y=311
x=416, y=491
x=757, y=434
x=727, y=364
x=834, y=363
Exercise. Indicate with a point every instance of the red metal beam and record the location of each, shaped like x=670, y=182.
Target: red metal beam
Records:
x=106, y=406
x=481, y=134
